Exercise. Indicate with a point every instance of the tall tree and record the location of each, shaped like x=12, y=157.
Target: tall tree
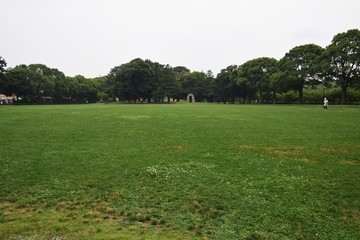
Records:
x=41, y=81
x=254, y=76
x=280, y=82
x=181, y=74
x=181, y=69
x=199, y=84
x=2, y=74
x=18, y=81
x=62, y=86
x=83, y=89
x=299, y=66
x=209, y=86
x=133, y=81
x=102, y=87
x=225, y=87
x=30, y=82
x=166, y=85
x=342, y=58
x=2, y=66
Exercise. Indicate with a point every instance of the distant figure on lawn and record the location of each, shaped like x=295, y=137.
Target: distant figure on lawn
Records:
x=326, y=104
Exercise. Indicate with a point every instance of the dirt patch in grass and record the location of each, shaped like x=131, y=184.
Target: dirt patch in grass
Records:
x=244, y=146
x=305, y=160
x=63, y=219
x=296, y=153
x=98, y=209
x=178, y=146
x=352, y=216
x=337, y=149
x=293, y=150
x=348, y=162
x=356, y=217
x=67, y=220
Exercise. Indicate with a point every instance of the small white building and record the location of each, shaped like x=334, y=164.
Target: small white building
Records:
x=7, y=99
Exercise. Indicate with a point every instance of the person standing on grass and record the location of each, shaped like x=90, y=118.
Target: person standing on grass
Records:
x=326, y=104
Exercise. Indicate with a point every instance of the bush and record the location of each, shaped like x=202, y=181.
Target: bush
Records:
x=333, y=95
x=313, y=96
x=353, y=96
x=289, y=97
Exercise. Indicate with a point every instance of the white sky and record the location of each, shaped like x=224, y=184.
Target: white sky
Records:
x=89, y=37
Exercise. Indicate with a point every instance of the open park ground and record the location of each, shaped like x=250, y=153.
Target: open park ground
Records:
x=179, y=171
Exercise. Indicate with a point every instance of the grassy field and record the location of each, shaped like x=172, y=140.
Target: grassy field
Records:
x=179, y=171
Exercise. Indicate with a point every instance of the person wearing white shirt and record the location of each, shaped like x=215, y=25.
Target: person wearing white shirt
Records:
x=326, y=104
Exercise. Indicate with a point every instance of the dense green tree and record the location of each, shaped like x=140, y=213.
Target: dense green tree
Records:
x=225, y=87
x=299, y=66
x=83, y=89
x=42, y=81
x=30, y=82
x=2, y=68
x=206, y=85
x=190, y=83
x=198, y=83
x=2, y=75
x=254, y=76
x=181, y=69
x=36, y=82
x=111, y=80
x=62, y=86
x=209, y=86
x=17, y=81
x=133, y=81
x=166, y=84
x=342, y=59
x=280, y=82
x=180, y=76
x=102, y=87
x=141, y=80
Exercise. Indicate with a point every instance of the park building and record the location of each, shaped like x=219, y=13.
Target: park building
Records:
x=7, y=99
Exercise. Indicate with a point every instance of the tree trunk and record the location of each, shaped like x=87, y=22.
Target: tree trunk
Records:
x=248, y=99
x=343, y=94
x=37, y=92
x=274, y=97
x=301, y=97
x=261, y=97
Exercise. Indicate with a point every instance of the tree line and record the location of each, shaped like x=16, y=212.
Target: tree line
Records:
x=302, y=75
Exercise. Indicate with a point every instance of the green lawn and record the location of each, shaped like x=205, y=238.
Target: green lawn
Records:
x=179, y=171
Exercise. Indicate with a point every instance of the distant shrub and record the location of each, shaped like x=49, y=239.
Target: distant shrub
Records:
x=289, y=97
x=353, y=96
x=313, y=96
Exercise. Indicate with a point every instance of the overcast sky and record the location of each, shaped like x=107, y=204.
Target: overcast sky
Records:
x=89, y=37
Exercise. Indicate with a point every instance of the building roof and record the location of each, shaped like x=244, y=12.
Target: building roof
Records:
x=4, y=97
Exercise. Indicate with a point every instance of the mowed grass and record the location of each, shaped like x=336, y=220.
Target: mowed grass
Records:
x=179, y=171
